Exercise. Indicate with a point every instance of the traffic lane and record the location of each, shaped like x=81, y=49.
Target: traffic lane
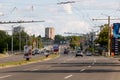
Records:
x=53, y=69
x=58, y=60
x=36, y=64
x=103, y=69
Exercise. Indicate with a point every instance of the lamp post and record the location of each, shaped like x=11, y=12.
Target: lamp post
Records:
x=12, y=41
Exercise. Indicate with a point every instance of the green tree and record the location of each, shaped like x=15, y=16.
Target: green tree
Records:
x=75, y=42
x=103, y=36
x=20, y=38
x=59, y=38
x=39, y=42
x=4, y=37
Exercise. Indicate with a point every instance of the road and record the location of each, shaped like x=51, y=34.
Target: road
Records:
x=66, y=67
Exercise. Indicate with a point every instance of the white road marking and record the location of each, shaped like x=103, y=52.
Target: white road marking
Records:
x=68, y=76
x=94, y=60
x=89, y=66
x=5, y=76
x=82, y=70
x=30, y=69
x=34, y=69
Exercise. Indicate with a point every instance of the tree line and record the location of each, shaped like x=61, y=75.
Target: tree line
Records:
x=20, y=39
x=77, y=41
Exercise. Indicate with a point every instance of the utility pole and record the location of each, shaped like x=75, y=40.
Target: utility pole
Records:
x=20, y=41
x=109, y=33
x=12, y=41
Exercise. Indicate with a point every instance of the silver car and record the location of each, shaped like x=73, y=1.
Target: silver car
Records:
x=79, y=53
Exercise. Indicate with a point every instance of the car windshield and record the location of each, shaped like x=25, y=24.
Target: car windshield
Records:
x=78, y=51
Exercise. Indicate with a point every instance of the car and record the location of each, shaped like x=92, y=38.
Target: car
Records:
x=42, y=52
x=66, y=51
x=79, y=53
x=36, y=51
x=46, y=53
x=88, y=54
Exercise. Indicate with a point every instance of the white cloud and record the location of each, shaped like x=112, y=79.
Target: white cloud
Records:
x=98, y=4
x=36, y=29
x=74, y=27
x=113, y=5
x=1, y=14
x=53, y=9
x=86, y=2
x=79, y=26
x=0, y=5
x=68, y=8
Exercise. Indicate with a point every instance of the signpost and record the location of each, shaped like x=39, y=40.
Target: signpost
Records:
x=116, y=38
x=116, y=30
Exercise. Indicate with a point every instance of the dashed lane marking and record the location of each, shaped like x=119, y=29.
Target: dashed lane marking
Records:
x=89, y=66
x=82, y=70
x=34, y=69
x=94, y=60
x=5, y=76
x=68, y=76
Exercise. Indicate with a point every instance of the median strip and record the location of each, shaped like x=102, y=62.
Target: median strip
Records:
x=23, y=62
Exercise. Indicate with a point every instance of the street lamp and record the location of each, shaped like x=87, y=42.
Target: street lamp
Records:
x=12, y=41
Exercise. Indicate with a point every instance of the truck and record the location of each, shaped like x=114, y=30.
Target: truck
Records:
x=27, y=52
x=55, y=48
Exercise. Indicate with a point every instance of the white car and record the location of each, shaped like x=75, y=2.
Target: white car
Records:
x=88, y=54
x=47, y=52
x=79, y=53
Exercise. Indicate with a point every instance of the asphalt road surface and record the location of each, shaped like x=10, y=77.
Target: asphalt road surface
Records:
x=66, y=67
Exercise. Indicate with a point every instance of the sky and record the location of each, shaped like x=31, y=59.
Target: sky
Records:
x=72, y=17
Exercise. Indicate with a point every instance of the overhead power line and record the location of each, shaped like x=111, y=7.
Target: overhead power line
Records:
x=67, y=2
x=13, y=22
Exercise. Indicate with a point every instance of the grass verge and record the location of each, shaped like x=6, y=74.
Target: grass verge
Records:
x=3, y=55
x=22, y=62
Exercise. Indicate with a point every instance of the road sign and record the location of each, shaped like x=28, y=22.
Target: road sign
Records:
x=116, y=30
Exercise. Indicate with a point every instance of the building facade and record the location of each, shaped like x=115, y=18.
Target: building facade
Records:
x=50, y=33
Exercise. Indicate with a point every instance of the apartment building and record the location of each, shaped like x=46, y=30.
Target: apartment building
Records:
x=50, y=32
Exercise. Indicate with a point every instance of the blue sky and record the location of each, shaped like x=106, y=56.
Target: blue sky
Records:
x=75, y=17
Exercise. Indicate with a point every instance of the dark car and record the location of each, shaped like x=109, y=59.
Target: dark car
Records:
x=36, y=51
x=66, y=51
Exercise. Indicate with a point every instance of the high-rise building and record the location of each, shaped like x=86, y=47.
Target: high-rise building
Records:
x=50, y=32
